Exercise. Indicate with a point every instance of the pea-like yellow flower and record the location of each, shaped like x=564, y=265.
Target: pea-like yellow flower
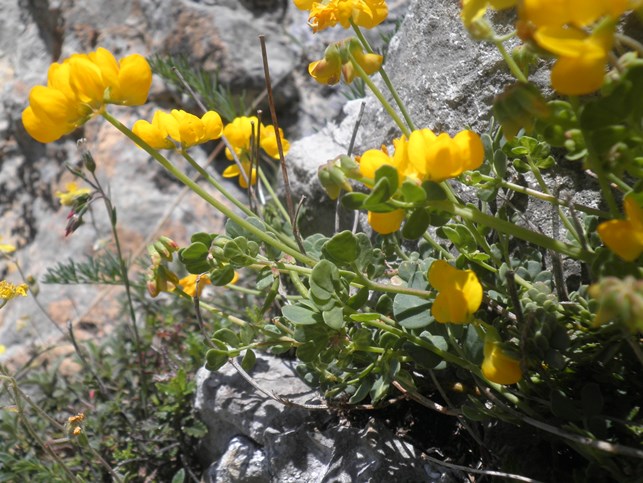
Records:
x=78, y=88
x=9, y=291
x=459, y=293
x=6, y=247
x=580, y=13
x=179, y=126
x=625, y=237
x=437, y=158
x=386, y=223
x=329, y=69
x=189, y=286
x=364, y=13
x=473, y=10
x=582, y=58
x=499, y=367
x=72, y=194
x=240, y=134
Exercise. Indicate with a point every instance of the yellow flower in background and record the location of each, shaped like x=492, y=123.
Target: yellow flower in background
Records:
x=72, y=194
x=78, y=88
x=625, y=237
x=385, y=223
x=3, y=349
x=239, y=133
x=179, y=126
x=499, y=367
x=188, y=284
x=6, y=247
x=364, y=13
x=459, y=293
x=581, y=13
x=436, y=158
x=582, y=58
x=329, y=69
x=473, y=10
x=233, y=171
x=9, y=291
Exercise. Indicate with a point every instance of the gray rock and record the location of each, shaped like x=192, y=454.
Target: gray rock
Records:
x=262, y=438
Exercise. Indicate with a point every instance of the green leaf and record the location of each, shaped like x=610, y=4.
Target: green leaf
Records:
x=421, y=356
x=323, y=280
x=417, y=224
x=249, y=360
x=364, y=251
x=179, y=476
x=334, y=318
x=434, y=192
x=343, y=248
x=381, y=193
x=202, y=237
x=215, y=359
x=412, y=193
x=313, y=245
x=358, y=300
x=222, y=275
x=195, y=252
x=354, y=200
x=365, y=317
x=390, y=173
x=500, y=163
x=362, y=391
x=241, y=252
x=227, y=336
x=411, y=312
x=299, y=315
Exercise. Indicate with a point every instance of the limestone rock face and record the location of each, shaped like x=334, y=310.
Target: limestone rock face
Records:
x=254, y=439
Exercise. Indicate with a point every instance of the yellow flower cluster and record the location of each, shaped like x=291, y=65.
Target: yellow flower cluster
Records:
x=578, y=32
x=328, y=13
x=178, y=126
x=79, y=87
x=9, y=291
x=625, y=237
x=329, y=69
x=425, y=156
x=242, y=132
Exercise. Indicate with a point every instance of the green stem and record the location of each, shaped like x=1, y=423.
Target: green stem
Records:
x=218, y=186
x=274, y=196
x=542, y=196
x=385, y=78
x=475, y=215
x=622, y=185
x=380, y=97
x=511, y=63
x=111, y=214
x=225, y=210
x=543, y=186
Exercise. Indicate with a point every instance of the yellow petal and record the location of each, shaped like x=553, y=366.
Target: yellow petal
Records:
x=107, y=64
x=134, y=81
x=86, y=80
x=152, y=135
x=269, y=141
x=231, y=171
x=371, y=161
x=213, y=125
x=578, y=76
x=167, y=124
x=471, y=149
x=460, y=293
x=417, y=149
x=498, y=367
x=385, y=223
x=442, y=159
x=623, y=238
x=191, y=129
x=304, y=4
x=43, y=130
x=188, y=284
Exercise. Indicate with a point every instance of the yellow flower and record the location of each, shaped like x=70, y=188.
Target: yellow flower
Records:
x=369, y=62
x=72, y=194
x=499, y=367
x=625, y=237
x=304, y=4
x=186, y=129
x=437, y=158
x=9, y=291
x=364, y=13
x=3, y=349
x=329, y=69
x=385, y=223
x=371, y=161
x=581, y=13
x=239, y=133
x=459, y=293
x=233, y=171
x=473, y=10
x=582, y=58
x=6, y=247
x=188, y=284
x=78, y=88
